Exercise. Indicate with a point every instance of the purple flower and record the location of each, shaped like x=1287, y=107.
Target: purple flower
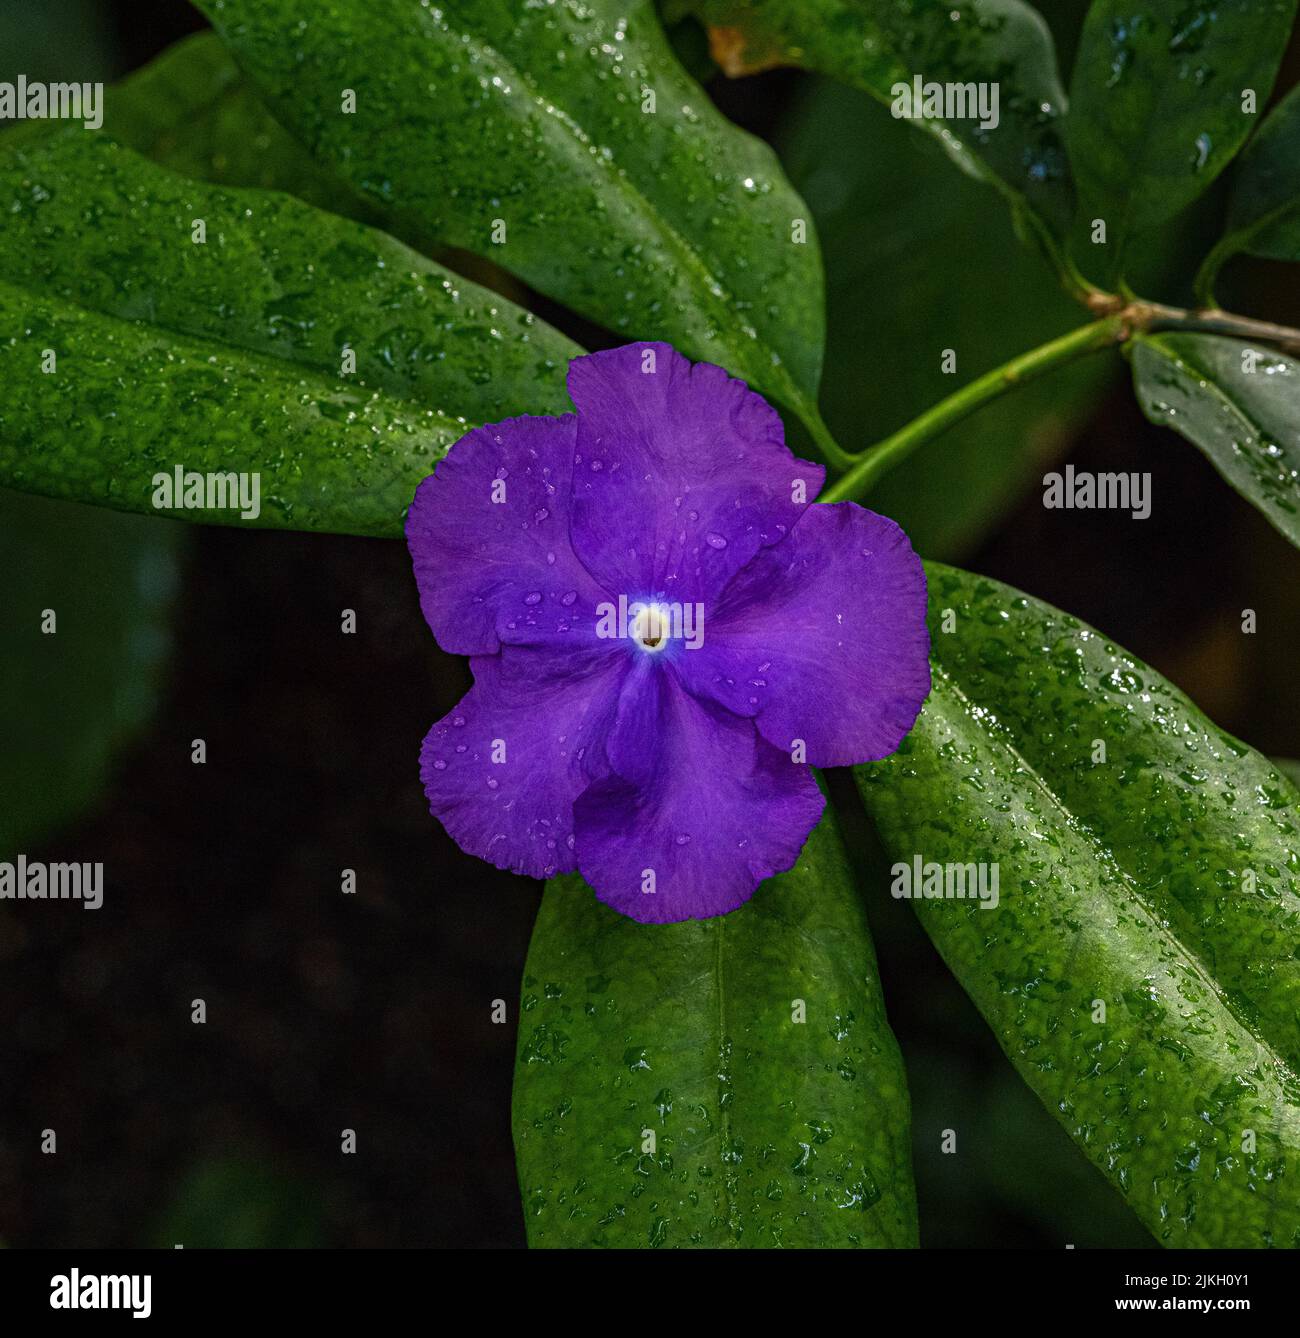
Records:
x=665, y=636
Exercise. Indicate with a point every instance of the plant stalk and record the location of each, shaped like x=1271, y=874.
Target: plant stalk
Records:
x=879, y=459
x=1120, y=318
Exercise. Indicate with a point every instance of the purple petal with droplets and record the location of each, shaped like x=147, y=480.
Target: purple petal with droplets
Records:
x=719, y=810
x=681, y=473
x=823, y=638
x=551, y=712
x=489, y=537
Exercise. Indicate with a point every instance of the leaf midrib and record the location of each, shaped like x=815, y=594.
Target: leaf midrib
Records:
x=1184, y=362
x=998, y=738
x=724, y=1110
x=585, y=147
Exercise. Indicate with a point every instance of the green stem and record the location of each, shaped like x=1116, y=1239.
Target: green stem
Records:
x=882, y=457
x=832, y=452
x=1210, y=267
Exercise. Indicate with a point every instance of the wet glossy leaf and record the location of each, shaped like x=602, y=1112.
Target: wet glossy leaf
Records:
x=192, y=110
x=1156, y=102
x=566, y=144
x=228, y=354
x=76, y=693
x=920, y=256
x=1139, y=967
x=1264, y=207
x=767, y=1131
x=1247, y=422
x=876, y=46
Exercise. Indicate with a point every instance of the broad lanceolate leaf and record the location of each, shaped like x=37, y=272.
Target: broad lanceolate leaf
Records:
x=1264, y=208
x=1238, y=403
x=1157, y=102
x=728, y=1083
x=960, y=42
x=76, y=688
x=193, y=111
x=1139, y=966
x=565, y=143
x=131, y=343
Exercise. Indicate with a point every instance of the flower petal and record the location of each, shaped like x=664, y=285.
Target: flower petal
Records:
x=720, y=810
x=503, y=768
x=632, y=744
x=822, y=638
x=681, y=473
x=489, y=537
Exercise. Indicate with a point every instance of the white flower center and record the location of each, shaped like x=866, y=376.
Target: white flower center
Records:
x=650, y=627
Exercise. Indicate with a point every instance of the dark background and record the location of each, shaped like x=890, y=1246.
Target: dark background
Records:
x=372, y=1011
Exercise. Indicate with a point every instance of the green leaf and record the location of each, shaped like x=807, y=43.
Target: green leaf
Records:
x=1160, y=883
x=1156, y=103
x=888, y=206
x=227, y=355
x=1247, y=423
x=76, y=693
x=1264, y=207
x=191, y=110
x=523, y=133
x=768, y=1131
x=875, y=46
